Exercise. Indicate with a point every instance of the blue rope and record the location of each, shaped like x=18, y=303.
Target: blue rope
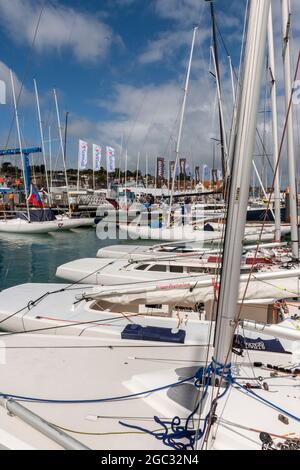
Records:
x=96, y=400
x=174, y=431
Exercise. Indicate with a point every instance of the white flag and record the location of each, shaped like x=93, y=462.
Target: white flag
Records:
x=110, y=159
x=83, y=155
x=96, y=157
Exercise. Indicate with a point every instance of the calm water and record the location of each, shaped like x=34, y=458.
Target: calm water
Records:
x=34, y=258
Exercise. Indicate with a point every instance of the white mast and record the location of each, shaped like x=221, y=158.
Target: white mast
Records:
x=274, y=125
x=137, y=170
x=221, y=109
x=42, y=137
x=239, y=191
x=62, y=147
x=20, y=142
x=50, y=157
x=186, y=87
x=120, y=158
x=290, y=138
x=146, y=171
x=232, y=80
x=125, y=179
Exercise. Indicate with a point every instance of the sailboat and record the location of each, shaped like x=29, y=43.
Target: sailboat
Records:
x=84, y=393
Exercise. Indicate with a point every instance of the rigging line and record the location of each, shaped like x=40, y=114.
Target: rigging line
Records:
x=27, y=66
x=95, y=322
x=283, y=289
x=238, y=84
x=258, y=431
x=33, y=303
x=112, y=433
x=272, y=189
x=118, y=346
x=238, y=315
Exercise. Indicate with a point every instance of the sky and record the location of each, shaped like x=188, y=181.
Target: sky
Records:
x=119, y=67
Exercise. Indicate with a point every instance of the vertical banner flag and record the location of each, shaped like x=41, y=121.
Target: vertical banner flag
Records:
x=187, y=170
x=96, y=157
x=160, y=167
x=82, y=155
x=171, y=168
x=197, y=174
x=110, y=159
x=205, y=173
x=220, y=176
x=182, y=165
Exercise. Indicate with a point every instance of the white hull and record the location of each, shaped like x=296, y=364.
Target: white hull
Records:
x=24, y=227
x=194, y=233
x=185, y=232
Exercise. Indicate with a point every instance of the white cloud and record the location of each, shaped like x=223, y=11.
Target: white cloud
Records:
x=26, y=96
x=166, y=46
x=61, y=28
x=147, y=117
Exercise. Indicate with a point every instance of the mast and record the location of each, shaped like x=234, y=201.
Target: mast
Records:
x=232, y=80
x=186, y=87
x=286, y=16
x=137, y=170
x=146, y=171
x=66, y=135
x=24, y=160
x=240, y=182
x=42, y=137
x=217, y=68
x=50, y=157
x=62, y=147
x=223, y=139
x=274, y=126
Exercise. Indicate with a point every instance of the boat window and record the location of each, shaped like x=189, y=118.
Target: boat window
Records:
x=142, y=267
x=176, y=269
x=191, y=269
x=158, y=307
x=158, y=268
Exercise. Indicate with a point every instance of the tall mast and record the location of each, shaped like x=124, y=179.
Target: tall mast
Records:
x=223, y=139
x=274, y=125
x=24, y=162
x=217, y=69
x=66, y=135
x=186, y=87
x=50, y=157
x=42, y=137
x=286, y=16
x=240, y=182
x=137, y=170
x=62, y=147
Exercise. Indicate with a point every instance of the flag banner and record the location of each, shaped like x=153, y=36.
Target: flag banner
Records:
x=2, y=92
x=197, y=174
x=187, y=170
x=182, y=165
x=214, y=175
x=82, y=155
x=34, y=197
x=220, y=176
x=205, y=173
x=171, y=168
x=96, y=157
x=160, y=167
x=110, y=159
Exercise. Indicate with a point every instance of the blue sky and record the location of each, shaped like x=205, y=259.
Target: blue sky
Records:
x=118, y=67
